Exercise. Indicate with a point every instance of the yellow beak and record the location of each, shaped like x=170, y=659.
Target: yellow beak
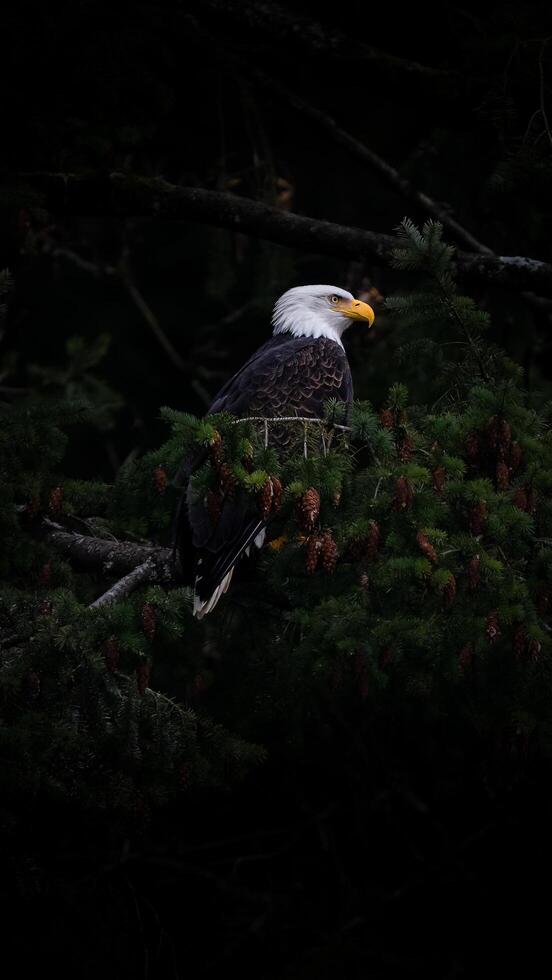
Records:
x=356, y=310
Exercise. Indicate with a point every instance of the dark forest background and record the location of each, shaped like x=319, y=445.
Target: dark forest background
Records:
x=457, y=100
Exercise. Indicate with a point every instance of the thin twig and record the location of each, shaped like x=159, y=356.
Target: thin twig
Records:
x=291, y=418
x=121, y=273
x=125, y=275
x=378, y=485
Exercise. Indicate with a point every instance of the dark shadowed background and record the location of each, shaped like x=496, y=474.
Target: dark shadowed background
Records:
x=457, y=98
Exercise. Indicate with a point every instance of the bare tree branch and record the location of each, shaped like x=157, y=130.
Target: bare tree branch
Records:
x=321, y=39
x=120, y=273
x=127, y=279
x=441, y=212
x=125, y=195
x=355, y=147
x=109, y=556
x=124, y=586
x=361, y=152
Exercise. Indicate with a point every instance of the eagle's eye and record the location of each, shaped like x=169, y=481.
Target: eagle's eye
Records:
x=334, y=300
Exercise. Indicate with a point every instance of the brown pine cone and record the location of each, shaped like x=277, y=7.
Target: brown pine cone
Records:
x=502, y=476
x=142, y=677
x=213, y=507
x=160, y=479
x=364, y=546
x=425, y=546
x=264, y=499
x=148, y=620
x=519, y=499
x=227, y=479
x=328, y=552
x=478, y=517
x=373, y=540
x=56, y=497
x=277, y=491
x=473, y=572
x=312, y=552
x=308, y=509
x=111, y=654
x=492, y=628
x=439, y=477
x=405, y=449
x=403, y=494
x=216, y=450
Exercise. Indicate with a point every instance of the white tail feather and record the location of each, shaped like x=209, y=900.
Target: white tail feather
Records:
x=202, y=607
x=260, y=539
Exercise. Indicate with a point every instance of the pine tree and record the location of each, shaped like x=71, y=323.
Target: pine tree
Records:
x=408, y=573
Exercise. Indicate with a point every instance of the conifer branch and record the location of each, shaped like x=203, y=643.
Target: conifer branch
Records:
x=125, y=195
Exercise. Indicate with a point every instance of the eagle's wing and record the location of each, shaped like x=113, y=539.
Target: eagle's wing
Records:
x=287, y=376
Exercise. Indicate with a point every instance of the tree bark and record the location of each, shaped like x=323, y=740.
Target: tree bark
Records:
x=126, y=195
x=124, y=586
x=108, y=556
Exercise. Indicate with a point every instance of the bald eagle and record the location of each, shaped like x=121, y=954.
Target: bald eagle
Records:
x=293, y=373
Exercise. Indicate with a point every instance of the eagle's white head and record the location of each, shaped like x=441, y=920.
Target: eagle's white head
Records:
x=318, y=311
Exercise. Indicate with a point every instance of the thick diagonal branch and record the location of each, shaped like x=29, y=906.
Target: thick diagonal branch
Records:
x=109, y=556
x=294, y=30
x=124, y=586
x=370, y=158
x=125, y=195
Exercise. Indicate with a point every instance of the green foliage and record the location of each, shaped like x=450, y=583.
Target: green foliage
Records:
x=77, y=382
x=428, y=597
x=79, y=719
